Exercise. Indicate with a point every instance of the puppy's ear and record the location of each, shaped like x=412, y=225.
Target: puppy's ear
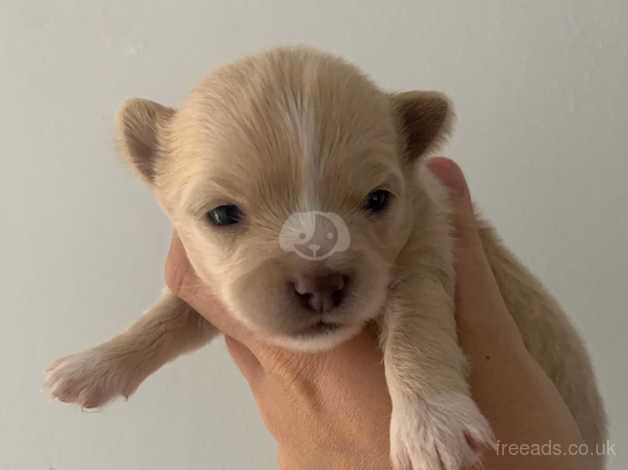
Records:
x=425, y=119
x=140, y=125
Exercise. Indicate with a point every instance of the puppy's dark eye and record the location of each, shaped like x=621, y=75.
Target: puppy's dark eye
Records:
x=228, y=214
x=377, y=200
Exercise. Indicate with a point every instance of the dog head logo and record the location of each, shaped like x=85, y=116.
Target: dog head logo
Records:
x=314, y=235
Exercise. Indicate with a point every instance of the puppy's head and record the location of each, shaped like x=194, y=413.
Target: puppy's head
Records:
x=289, y=179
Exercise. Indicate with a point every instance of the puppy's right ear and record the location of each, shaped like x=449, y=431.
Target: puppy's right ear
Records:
x=140, y=126
x=425, y=118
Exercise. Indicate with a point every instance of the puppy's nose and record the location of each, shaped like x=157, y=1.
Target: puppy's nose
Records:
x=321, y=292
x=314, y=247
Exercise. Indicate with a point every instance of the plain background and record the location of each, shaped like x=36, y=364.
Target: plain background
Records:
x=542, y=105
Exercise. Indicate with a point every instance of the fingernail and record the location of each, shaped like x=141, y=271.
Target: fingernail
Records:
x=449, y=174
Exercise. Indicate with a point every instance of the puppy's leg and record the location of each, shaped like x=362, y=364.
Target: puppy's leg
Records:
x=435, y=424
x=118, y=366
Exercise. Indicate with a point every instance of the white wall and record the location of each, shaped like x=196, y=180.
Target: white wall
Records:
x=540, y=89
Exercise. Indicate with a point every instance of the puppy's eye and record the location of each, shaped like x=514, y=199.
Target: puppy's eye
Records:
x=228, y=214
x=377, y=200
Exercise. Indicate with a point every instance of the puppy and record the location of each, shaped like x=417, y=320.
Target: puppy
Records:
x=299, y=191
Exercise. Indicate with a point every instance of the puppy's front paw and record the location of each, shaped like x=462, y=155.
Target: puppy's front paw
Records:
x=447, y=432
x=91, y=378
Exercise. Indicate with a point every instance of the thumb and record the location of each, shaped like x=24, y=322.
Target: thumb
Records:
x=463, y=217
x=472, y=267
x=480, y=307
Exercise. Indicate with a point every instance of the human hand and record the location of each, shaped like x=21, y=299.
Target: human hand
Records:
x=332, y=409
x=513, y=392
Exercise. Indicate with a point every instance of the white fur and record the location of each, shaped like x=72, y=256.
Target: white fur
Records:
x=319, y=343
x=88, y=380
x=301, y=121
x=444, y=432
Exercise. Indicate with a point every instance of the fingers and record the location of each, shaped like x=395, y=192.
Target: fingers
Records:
x=244, y=359
x=510, y=387
x=467, y=236
x=480, y=307
x=184, y=283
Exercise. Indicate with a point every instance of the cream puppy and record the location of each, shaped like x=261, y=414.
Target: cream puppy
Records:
x=299, y=191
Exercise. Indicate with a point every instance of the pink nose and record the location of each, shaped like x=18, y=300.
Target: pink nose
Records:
x=321, y=292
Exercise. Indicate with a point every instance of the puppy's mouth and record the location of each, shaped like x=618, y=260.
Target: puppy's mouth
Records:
x=321, y=327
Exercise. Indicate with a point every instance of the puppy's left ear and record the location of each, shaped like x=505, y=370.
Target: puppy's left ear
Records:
x=425, y=119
